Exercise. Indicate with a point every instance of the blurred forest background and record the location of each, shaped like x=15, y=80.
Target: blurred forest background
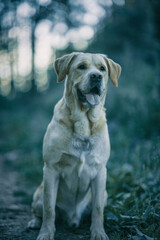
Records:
x=32, y=35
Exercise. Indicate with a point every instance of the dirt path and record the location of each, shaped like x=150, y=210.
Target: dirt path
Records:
x=14, y=214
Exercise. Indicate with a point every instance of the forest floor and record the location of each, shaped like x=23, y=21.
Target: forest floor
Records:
x=14, y=215
x=15, y=212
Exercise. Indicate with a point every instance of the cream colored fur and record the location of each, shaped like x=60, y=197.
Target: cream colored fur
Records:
x=76, y=149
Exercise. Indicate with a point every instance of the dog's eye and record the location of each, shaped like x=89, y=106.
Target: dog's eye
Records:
x=102, y=68
x=82, y=67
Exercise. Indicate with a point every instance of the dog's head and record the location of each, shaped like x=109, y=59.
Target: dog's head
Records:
x=87, y=75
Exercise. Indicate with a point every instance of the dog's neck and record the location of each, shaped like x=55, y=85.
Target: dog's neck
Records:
x=85, y=120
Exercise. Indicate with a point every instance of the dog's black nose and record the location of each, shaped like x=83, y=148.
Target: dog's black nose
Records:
x=96, y=77
x=96, y=82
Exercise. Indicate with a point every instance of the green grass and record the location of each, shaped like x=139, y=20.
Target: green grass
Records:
x=134, y=193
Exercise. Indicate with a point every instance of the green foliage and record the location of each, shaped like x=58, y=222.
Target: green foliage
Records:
x=135, y=104
x=134, y=192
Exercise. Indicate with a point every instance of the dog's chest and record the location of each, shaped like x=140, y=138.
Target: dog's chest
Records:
x=79, y=167
x=76, y=175
x=82, y=149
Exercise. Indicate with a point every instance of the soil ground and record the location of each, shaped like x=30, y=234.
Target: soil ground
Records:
x=15, y=213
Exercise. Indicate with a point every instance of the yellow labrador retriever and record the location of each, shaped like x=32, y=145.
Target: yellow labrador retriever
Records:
x=76, y=146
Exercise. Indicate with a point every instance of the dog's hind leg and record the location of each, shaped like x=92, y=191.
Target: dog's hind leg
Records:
x=35, y=223
x=37, y=209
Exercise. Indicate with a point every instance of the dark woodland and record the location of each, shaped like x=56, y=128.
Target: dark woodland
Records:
x=32, y=35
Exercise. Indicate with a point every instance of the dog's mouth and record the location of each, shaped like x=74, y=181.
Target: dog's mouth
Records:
x=92, y=98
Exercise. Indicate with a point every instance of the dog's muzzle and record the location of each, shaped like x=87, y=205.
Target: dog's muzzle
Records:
x=92, y=97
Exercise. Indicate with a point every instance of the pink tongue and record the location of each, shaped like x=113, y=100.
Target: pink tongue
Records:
x=93, y=99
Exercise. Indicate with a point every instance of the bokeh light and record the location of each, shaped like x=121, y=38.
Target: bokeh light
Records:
x=35, y=30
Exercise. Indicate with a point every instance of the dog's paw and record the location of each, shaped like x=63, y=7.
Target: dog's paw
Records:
x=45, y=236
x=35, y=223
x=99, y=234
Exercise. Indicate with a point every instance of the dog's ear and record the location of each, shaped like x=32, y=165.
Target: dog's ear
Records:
x=114, y=70
x=62, y=66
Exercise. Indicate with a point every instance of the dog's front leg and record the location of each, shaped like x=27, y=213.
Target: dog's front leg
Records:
x=51, y=181
x=98, y=188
